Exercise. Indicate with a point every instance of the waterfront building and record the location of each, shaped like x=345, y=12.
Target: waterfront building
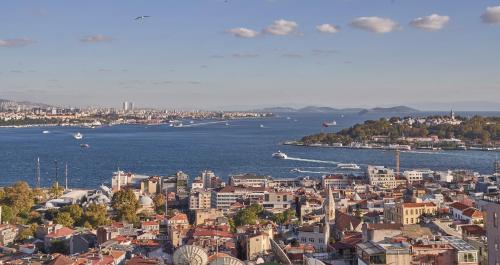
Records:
x=381, y=177
x=337, y=182
x=224, y=197
x=408, y=212
x=413, y=176
x=249, y=180
x=151, y=185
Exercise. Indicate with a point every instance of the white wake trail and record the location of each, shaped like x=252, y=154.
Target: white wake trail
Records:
x=312, y=160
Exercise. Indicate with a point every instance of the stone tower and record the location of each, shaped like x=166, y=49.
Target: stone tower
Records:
x=329, y=207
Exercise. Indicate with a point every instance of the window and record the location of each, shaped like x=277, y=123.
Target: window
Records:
x=303, y=239
x=311, y=240
x=495, y=219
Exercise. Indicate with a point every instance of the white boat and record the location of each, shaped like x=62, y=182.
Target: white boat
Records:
x=280, y=155
x=191, y=122
x=46, y=132
x=329, y=123
x=84, y=145
x=177, y=125
x=348, y=166
x=261, y=126
x=78, y=136
x=227, y=123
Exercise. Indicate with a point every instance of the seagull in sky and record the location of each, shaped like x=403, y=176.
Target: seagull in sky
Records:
x=141, y=18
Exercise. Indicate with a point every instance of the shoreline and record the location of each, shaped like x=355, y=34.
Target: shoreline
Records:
x=389, y=147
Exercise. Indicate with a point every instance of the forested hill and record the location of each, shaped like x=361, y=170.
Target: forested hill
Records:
x=478, y=129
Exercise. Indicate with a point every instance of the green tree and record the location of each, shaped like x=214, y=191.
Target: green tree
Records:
x=75, y=211
x=27, y=232
x=7, y=213
x=19, y=197
x=159, y=201
x=245, y=217
x=95, y=215
x=125, y=204
x=65, y=219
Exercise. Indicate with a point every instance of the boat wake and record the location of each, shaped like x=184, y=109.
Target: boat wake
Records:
x=311, y=160
x=202, y=124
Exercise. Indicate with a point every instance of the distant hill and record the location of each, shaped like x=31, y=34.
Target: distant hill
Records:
x=308, y=109
x=397, y=109
x=27, y=104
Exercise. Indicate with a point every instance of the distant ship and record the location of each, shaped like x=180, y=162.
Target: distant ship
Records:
x=280, y=155
x=177, y=125
x=78, y=136
x=227, y=123
x=46, y=132
x=84, y=145
x=288, y=118
x=261, y=126
x=329, y=123
x=348, y=166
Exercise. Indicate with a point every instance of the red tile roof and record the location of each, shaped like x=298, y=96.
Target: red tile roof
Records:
x=459, y=206
x=472, y=213
x=62, y=232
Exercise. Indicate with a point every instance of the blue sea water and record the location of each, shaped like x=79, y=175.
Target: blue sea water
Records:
x=243, y=146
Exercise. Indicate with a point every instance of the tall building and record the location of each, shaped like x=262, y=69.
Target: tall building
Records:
x=128, y=106
x=329, y=208
x=493, y=229
x=381, y=177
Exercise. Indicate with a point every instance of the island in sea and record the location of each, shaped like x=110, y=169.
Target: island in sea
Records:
x=431, y=132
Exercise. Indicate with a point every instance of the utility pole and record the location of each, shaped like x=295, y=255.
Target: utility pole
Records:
x=66, y=177
x=57, y=177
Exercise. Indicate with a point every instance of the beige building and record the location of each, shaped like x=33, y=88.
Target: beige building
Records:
x=200, y=199
x=8, y=234
x=278, y=201
x=202, y=215
x=381, y=177
x=377, y=253
x=151, y=185
x=178, y=227
x=408, y=213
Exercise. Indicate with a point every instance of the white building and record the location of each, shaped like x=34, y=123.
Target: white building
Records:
x=381, y=177
x=413, y=176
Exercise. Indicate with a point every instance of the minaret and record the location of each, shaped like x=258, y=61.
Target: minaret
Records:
x=37, y=172
x=330, y=207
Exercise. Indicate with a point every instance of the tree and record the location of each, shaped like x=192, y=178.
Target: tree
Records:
x=75, y=211
x=58, y=246
x=159, y=201
x=95, y=215
x=125, y=204
x=56, y=191
x=7, y=213
x=19, y=197
x=27, y=232
x=245, y=217
x=65, y=219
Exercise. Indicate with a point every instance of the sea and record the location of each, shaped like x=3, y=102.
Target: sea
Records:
x=238, y=147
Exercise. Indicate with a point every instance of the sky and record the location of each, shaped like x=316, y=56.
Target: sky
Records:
x=214, y=54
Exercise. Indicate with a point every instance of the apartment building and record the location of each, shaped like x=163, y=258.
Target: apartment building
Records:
x=408, y=213
x=381, y=177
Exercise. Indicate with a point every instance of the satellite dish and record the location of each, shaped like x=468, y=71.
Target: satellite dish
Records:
x=190, y=255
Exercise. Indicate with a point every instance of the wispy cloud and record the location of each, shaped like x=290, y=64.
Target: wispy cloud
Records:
x=433, y=22
x=491, y=15
x=328, y=28
x=282, y=27
x=243, y=32
x=292, y=55
x=244, y=55
x=321, y=51
x=10, y=43
x=375, y=24
x=96, y=38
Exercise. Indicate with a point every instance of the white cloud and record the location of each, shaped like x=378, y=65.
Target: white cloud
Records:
x=491, y=15
x=9, y=43
x=433, y=22
x=327, y=28
x=282, y=27
x=375, y=24
x=96, y=38
x=243, y=32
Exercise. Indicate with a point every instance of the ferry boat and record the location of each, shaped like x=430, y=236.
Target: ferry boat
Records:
x=78, y=136
x=261, y=126
x=348, y=166
x=280, y=155
x=177, y=125
x=329, y=123
x=46, y=132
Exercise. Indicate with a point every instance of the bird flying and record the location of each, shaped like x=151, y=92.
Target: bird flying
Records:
x=141, y=18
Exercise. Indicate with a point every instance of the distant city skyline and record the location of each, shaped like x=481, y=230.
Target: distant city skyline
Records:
x=215, y=54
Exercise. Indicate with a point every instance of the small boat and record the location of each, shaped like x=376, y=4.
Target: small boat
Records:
x=227, y=123
x=329, y=123
x=461, y=147
x=261, y=126
x=295, y=170
x=46, y=132
x=191, y=122
x=348, y=166
x=78, y=136
x=84, y=145
x=177, y=125
x=280, y=155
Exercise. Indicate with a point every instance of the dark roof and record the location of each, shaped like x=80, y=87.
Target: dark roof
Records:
x=343, y=221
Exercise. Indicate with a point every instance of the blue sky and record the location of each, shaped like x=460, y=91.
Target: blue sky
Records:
x=213, y=54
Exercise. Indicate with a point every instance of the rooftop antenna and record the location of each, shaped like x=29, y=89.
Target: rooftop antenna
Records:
x=37, y=172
